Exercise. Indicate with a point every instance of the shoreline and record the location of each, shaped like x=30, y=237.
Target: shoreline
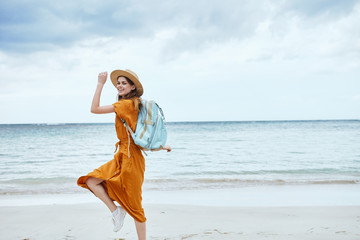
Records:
x=250, y=196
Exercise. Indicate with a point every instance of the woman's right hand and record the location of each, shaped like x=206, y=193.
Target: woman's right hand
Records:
x=102, y=78
x=167, y=148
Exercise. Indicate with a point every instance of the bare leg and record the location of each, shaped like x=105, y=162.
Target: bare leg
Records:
x=98, y=189
x=141, y=230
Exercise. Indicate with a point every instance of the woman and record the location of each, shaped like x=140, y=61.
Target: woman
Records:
x=121, y=179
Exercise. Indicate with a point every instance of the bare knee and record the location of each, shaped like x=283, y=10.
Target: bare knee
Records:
x=89, y=182
x=92, y=182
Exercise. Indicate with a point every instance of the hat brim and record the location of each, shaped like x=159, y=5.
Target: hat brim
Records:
x=118, y=73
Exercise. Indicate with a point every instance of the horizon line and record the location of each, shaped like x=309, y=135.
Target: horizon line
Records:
x=200, y=121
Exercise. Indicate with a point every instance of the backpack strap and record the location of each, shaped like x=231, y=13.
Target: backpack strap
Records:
x=148, y=120
x=128, y=129
x=127, y=126
x=162, y=113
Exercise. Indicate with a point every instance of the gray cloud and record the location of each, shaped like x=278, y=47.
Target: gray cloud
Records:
x=318, y=7
x=28, y=26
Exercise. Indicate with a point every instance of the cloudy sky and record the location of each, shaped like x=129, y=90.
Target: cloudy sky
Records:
x=201, y=60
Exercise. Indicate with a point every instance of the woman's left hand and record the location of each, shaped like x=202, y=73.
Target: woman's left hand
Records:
x=102, y=78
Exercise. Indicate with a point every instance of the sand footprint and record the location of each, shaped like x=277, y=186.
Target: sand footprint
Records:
x=189, y=236
x=68, y=235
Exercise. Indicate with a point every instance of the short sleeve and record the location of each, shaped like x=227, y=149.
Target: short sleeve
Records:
x=124, y=109
x=120, y=108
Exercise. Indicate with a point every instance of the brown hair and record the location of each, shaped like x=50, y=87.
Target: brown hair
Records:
x=131, y=95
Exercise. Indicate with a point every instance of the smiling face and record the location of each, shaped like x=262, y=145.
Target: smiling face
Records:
x=123, y=86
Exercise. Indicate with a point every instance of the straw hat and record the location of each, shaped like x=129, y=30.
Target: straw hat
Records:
x=130, y=75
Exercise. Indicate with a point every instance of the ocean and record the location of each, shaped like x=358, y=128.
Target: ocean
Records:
x=48, y=158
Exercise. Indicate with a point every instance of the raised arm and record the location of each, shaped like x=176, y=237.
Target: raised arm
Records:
x=95, y=105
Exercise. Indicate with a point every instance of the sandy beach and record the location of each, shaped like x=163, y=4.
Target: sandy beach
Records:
x=92, y=221
x=330, y=212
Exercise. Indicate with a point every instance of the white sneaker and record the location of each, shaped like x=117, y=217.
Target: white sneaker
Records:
x=118, y=219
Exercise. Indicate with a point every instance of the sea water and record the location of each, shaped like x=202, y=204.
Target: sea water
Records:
x=48, y=158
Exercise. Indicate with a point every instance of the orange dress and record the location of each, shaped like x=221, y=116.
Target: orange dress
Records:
x=124, y=175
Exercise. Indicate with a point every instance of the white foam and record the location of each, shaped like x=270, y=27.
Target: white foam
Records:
x=300, y=195
x=304, y=195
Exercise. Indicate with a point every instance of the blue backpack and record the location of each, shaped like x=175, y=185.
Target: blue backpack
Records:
x=150, y=133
